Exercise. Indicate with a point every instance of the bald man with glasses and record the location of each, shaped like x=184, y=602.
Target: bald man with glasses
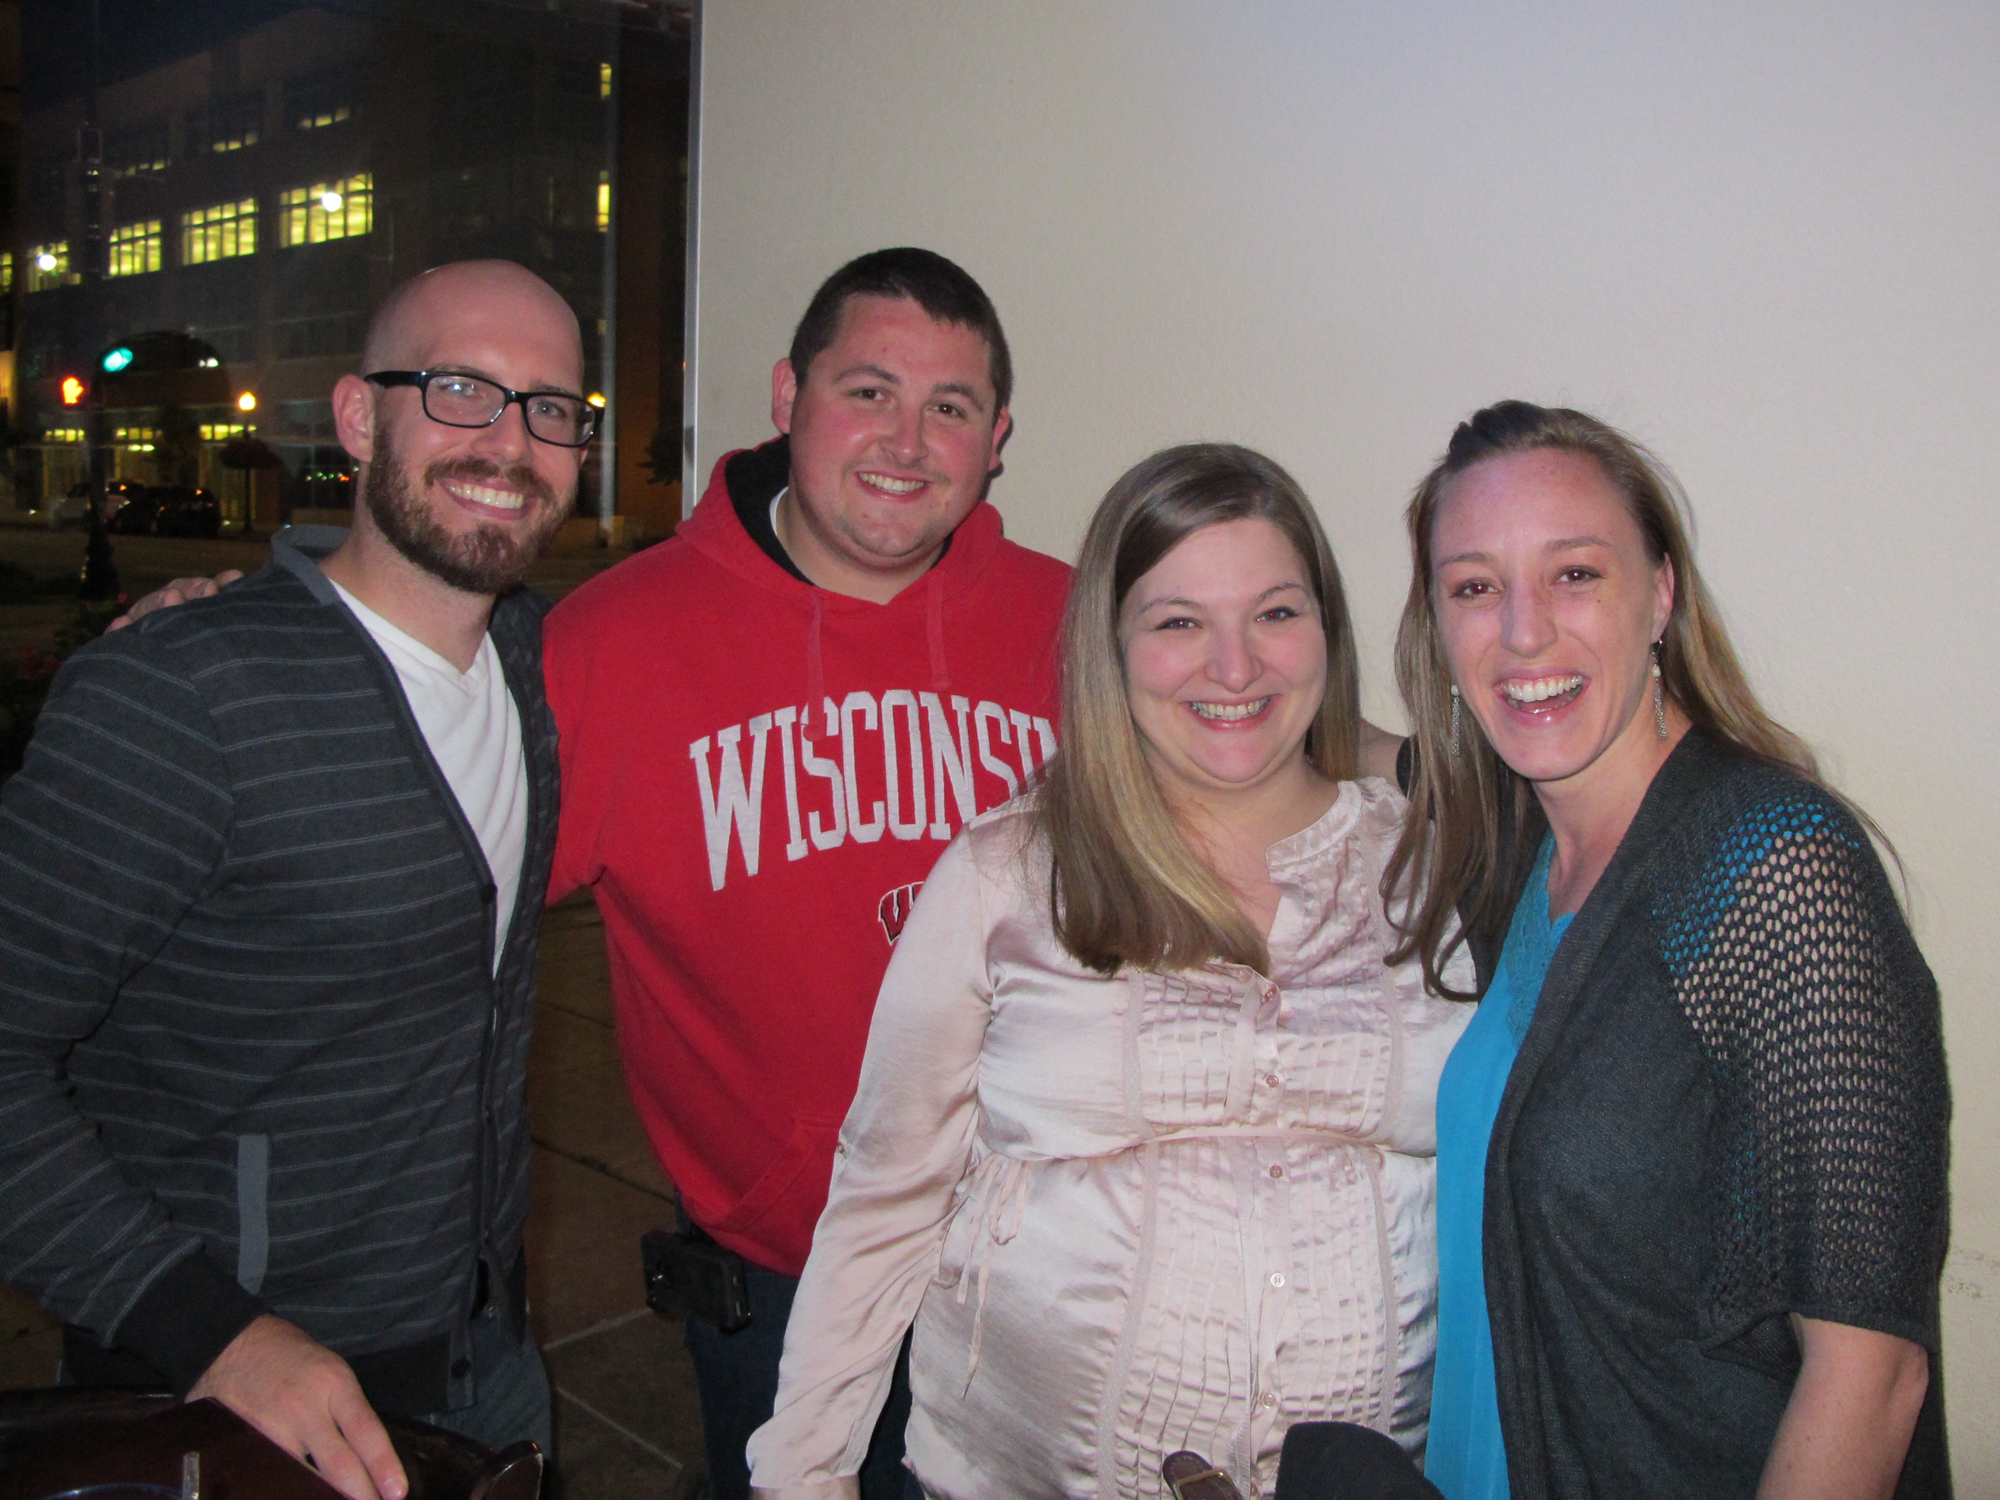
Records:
x=271, y=876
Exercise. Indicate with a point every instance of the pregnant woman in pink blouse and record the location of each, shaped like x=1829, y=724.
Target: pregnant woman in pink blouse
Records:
x=1143, y=1144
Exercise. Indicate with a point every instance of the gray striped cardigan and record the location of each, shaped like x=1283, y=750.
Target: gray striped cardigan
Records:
x=253, y=1052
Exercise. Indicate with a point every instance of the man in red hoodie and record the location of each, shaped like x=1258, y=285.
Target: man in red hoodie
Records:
x=771, y=725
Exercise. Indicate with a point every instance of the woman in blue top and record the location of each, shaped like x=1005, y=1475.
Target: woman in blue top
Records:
x=1691, y=1154
x=1465, y=1458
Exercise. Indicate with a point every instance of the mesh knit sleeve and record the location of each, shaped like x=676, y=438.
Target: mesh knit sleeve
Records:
x=1789, y=953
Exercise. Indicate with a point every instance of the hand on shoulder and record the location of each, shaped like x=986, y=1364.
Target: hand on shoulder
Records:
x=178, y=592
x=1379, y=749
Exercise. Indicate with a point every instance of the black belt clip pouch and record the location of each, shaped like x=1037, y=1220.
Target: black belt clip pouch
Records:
x=688, y=1275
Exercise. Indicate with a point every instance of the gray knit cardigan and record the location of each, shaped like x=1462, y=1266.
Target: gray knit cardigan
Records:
x=253, y=1051
x=1730, y=1106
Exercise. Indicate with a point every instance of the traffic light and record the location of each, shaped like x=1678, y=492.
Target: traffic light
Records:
x=72, y=391
x=115, y=359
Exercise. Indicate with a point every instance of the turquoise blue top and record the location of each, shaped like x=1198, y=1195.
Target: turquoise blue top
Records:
x=1465, y=1458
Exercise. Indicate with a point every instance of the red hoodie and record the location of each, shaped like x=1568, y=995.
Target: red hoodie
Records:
x=757, y=776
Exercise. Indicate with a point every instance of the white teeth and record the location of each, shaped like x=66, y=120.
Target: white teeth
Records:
x=1230, y=710
x=1542, y=689
x=893, y=486
x=487, y=495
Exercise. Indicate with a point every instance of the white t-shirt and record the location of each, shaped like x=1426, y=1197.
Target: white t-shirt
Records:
x=474, y=733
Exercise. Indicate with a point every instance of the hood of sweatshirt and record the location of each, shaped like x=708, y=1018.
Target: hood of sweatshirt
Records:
x=756, y=475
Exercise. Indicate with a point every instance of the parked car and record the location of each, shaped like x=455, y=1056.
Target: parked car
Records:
x=186, y=511
x=135, y=516
x=72, y=512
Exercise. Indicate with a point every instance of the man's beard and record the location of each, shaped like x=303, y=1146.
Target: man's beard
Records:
x=489, y=559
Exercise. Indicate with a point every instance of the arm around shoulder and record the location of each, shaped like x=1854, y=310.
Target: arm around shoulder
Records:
x=1379, y=751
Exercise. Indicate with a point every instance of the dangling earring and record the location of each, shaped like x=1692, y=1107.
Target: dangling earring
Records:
x=1454, y=719
x=1659, y=695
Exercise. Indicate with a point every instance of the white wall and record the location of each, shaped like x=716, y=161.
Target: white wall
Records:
x=1763, y=238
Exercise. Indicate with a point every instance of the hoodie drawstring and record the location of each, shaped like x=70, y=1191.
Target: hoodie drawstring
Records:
x=933, y=637
x=934, y=628
x=815, y=670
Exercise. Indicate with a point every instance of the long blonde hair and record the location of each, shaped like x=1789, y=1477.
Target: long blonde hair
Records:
x=1474, y=821
x=1127, y=886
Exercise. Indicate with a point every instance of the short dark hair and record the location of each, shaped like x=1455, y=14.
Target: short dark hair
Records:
x=937, y=285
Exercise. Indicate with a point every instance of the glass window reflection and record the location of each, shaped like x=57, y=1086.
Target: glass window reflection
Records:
x=249, y=179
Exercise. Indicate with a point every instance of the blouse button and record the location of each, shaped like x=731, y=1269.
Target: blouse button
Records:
x=1271, y=1079
x=1268, y=1399
x=1276, y=1170
x=1277, y=1278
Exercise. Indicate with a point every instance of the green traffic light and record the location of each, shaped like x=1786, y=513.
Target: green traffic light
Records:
x=115, y=360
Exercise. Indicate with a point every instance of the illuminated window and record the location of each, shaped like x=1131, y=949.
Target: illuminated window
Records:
x=226, y=127
x=135, y=248
x=603, y=200
x=604, y=80
x=140, y=151
x=138, y=439
x=219, y=232
x=320, y=102
x=63, y=435
x=48, y=266
x=222, y=432
x=327, y=210
x=6, y=271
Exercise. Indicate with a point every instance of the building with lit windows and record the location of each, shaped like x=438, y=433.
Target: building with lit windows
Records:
x=261, y=194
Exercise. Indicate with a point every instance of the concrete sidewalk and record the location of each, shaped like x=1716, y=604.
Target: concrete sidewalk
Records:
x=628, y=1421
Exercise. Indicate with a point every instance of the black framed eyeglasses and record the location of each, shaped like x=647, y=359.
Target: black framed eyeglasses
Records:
x=459, y=400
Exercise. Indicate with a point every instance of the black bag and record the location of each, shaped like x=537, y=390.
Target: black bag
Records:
x=1346, y=1461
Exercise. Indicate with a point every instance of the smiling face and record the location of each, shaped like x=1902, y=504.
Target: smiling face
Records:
x=1225, y=663
x=1548, y=606
x=472, y=507
x=894, y=431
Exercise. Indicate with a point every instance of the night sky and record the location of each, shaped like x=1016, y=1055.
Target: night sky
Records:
x=137, y=35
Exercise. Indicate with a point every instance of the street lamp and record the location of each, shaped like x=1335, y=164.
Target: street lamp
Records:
x=247, y=403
